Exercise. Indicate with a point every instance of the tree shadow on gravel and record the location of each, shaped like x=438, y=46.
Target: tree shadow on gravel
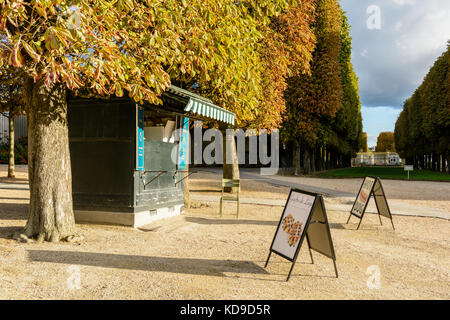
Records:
x=230, y=221
x=7, y=180
x=194, y=266
x=8, y=232
x=198, y=220
x=340, y=226
x=13, y=211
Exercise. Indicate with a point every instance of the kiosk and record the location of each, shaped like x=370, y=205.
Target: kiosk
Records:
x=121, y=155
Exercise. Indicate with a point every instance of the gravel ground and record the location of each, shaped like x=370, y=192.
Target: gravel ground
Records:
x=419, y=193
x=395, y=189
x=200, y=256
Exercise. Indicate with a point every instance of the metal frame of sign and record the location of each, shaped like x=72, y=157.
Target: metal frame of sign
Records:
x=371, y=193
x=305, y=233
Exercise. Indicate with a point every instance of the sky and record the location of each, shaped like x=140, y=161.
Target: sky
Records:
x=395, y=43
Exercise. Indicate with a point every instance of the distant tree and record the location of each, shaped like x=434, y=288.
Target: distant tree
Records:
x=347, y=125
x=312, y=100
x=278, y=46
x=364, y=145
x=422, y=130
x=385, y=142
x=12, y=104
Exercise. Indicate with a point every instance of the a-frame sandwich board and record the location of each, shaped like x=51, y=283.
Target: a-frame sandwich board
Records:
x=304, y=211
x=371, y=186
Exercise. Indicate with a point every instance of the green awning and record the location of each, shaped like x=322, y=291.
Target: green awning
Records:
x=202, y=106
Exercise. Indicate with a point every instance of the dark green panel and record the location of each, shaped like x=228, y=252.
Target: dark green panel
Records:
x=93, y=121
x=75, y=119
x=103, y=154
x=102, y=162
x=127, y=120
x=101, y=166
x=111, y=122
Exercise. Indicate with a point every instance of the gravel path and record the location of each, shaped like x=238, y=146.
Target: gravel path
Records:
x=395, y=189
x=201, y=256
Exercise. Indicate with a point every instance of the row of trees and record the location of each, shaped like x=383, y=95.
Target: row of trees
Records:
x=323, y=120
x=239, y=54
x=422, y=130
x=385, y=142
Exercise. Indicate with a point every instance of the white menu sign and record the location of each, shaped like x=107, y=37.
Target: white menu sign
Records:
x=293, y=223
x=363, y=196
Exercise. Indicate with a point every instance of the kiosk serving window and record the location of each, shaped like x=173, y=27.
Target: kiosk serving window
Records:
x=160, y=170
x=158, y=127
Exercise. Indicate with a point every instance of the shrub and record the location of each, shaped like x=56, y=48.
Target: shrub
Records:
x=20, y=151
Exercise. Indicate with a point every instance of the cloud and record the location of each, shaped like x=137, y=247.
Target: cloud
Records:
x=392, y=61
x=403, y=2
x=376, y=120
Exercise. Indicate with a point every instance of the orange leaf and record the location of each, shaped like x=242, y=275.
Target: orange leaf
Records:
x=36, y=57
x=16, y=58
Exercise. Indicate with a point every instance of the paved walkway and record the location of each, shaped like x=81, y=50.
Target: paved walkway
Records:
x=345, y=204
x=336, y=200
x=254, y=174
x=348, y=187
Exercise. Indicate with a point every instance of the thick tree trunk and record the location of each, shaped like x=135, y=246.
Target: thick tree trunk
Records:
x=306, y=160
x=446, y=162
x=296, y=158
x=332, y=164
x=321, y=159
x=317, y=158
x=313, y=160
x=330, y=160
x=345, y=162
x=327, y=155
x=230, y=170
x=50, y=215
x=433, y=161
x=11, y=169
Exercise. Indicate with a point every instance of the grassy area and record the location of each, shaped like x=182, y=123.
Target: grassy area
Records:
x=387, y=173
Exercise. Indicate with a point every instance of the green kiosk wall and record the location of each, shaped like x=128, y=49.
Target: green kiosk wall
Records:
x=106, y=177
x=102, y=139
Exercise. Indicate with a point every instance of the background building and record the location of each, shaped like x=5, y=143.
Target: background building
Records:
x=377, y=159
x=20, y=128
